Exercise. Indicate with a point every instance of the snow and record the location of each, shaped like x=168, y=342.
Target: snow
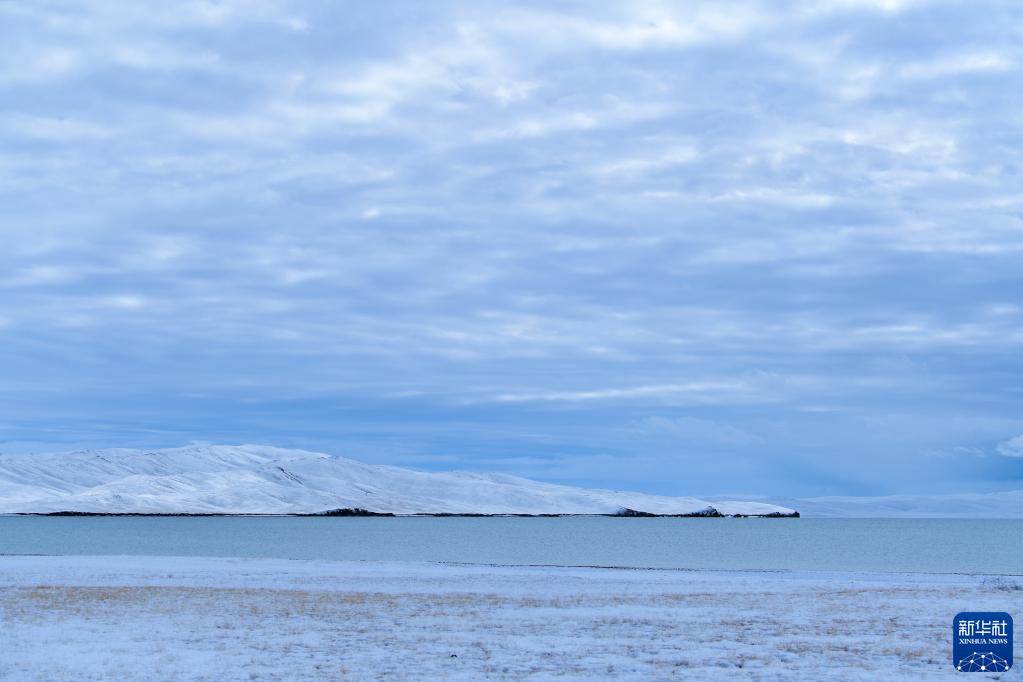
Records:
x=995, y=505
x=97, y=618
x=256, y=479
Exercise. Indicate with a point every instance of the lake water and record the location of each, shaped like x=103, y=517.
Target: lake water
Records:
x=911, y=545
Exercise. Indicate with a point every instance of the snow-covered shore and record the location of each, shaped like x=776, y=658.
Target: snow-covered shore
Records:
x=91, y=618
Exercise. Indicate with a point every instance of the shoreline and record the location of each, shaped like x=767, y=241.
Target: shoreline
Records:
x=357, y=513
x=818, y=573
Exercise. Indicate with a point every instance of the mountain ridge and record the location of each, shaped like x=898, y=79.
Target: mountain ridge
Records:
x=260, y=479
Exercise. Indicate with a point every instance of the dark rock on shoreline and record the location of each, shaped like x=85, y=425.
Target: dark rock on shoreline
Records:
x=347, y=511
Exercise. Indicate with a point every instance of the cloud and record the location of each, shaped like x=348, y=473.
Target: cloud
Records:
x=699, y=429
x=954, y=65
x=640, y=25
x=1011, y=448
x=883, y=5
x=691, y=391
x=469, y=231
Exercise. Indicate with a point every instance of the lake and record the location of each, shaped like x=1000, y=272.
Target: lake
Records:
x=901, y=545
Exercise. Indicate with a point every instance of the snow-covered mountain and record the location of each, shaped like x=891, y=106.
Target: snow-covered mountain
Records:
x=255, y=479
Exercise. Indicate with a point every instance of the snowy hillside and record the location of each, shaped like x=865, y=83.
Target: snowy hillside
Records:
x=254, y=479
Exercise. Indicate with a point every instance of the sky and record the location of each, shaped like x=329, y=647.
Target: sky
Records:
x=684, y=248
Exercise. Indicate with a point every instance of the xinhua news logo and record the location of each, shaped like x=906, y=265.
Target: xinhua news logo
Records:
x=982, y=642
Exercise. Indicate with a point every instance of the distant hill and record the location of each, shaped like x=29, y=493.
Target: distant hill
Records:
x=1004, y=505
x=256, y=479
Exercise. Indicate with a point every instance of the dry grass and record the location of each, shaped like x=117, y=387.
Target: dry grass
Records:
x=257, y=633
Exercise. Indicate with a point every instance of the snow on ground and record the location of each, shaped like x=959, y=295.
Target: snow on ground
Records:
x=93, y=618
x=259, y=479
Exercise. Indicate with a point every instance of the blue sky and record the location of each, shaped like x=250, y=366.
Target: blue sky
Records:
x=699, y=248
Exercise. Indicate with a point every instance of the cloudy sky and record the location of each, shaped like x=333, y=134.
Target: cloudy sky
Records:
x=689, y=247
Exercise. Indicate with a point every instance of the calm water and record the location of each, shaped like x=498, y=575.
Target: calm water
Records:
x=915, y=545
